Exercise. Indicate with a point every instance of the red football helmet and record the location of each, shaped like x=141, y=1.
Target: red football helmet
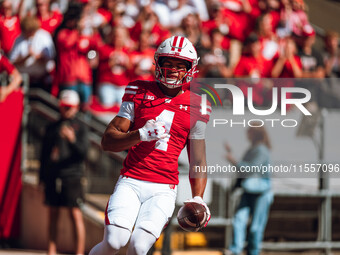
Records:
x=177, y=47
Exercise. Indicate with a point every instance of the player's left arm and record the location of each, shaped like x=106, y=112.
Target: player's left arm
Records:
x=197, y=177
x=197, y=156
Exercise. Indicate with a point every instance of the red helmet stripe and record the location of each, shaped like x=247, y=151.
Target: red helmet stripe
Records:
x=174, y=43
x=180, y=44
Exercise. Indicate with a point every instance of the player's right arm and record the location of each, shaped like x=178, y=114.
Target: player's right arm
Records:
x=116, y=136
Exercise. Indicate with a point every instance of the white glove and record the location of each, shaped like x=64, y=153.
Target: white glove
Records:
x=199, y=200
x=152, y=130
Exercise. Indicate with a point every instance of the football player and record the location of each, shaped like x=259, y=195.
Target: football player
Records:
x=155, y=122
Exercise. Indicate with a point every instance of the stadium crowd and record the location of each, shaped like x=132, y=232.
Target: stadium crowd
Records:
x=97, y=47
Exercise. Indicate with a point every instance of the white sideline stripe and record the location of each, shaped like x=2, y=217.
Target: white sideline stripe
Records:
x=130, y=92
x=131, y=87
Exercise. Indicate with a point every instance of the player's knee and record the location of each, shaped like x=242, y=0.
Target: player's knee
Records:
x=141, y=242
x=139, y=248
x=116, y=238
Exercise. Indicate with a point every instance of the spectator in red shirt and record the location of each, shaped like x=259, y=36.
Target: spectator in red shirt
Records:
x=215, y=62
x=288, y=63
x=148, y=20
x=113, y=67
x=241, y=16
x=15, y=78
x=73, y=69
x=253, y=65
x=49, y=20
x=293, y=16
x=217, y=20
x=9, y=25
x=268, y=39
x=102, y=10
x=142, y=59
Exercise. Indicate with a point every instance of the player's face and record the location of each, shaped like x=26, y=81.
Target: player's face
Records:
x=174, y=69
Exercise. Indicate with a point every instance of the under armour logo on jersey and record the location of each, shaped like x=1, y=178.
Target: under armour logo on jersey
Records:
x=167, y=100
x=177, y=43
x=183, y=107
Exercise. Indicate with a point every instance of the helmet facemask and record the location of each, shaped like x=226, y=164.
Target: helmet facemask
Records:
x=177, y=80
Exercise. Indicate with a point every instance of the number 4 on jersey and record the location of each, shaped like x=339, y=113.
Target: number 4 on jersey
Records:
x=167, y=117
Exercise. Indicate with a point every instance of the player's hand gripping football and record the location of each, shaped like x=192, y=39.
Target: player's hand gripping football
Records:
x=199, y=200
x=153, y=130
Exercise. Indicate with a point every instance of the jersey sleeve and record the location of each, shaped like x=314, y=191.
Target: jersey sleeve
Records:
x=130, y=92
x=202, y=109
x=198, y=131
x=127, y=110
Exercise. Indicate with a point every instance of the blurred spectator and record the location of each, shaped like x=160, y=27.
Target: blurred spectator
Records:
x=59, y=5
x=242, y=16
x=124, y=13
x=274, y=11
x=113, y=67
x=148, y=20
x=33, y=53
x=93, y=17
x=142, y=59
x=14, y=78
x=62, y=169
x=257, y=195
x=267, y=38
x=288, y=63
x=182, y=10
x=191, y=29
x=201, y=8
x=215, y=62
x=49, y=20
x=9, y=25
x=294, y=17
x=160, y=8
x=332, y=54
x=253, y=65
x=330, y=89
x=99, y=5
x=311, y=58
x=217, y=20
x=73, y=68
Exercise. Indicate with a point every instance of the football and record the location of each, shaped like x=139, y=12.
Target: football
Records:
x=192, y=216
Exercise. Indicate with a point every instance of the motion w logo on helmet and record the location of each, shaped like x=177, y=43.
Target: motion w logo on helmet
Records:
x=177, y=40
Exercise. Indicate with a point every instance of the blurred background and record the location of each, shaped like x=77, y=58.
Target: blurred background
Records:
x=99, y=46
